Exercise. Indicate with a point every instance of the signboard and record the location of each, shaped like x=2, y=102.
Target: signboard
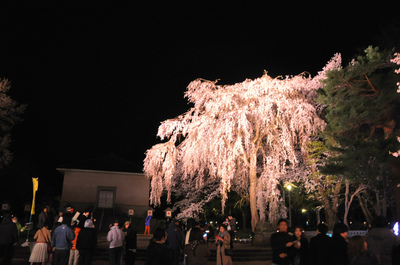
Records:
x=168, y=213
x=29, y=226
x=131, y=212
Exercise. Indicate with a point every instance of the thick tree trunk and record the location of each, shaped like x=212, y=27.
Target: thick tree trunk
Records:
x=253, y=191
x=253, y=199
x=331, y=206
x=330, y=213
x=244, y=221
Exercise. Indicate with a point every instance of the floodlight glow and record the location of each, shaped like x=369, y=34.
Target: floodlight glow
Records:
x=396, y=228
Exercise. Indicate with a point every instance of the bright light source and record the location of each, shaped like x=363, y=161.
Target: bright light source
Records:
x=303, y=210
x=289, y=187
x=396, y=229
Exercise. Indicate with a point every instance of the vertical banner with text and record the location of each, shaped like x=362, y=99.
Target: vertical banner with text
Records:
x=35, y=182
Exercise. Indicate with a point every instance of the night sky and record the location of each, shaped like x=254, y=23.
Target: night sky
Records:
x=99, y=79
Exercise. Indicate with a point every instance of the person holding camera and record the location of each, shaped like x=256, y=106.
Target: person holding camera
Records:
x=223, y=242
x=282, y=242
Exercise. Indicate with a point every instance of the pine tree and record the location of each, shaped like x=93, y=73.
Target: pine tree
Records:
x=361, y=104
x=10, y=113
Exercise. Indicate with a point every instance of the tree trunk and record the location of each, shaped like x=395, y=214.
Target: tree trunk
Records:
x=330, y=215
x=364, y=209
x=347, y=203
x=331, y=206
x=244, y=220
x=378, y=209
x=253, y=192
x=395, y=177
x=253, y=200
x=335, y=201
x=384, y=200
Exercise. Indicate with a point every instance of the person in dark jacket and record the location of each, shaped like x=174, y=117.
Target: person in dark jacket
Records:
x=197, y=251
x=130, y=243
x=86, y=243
x=281, y=243
x=381, y=241
x=157, y=253
x=320, y=246
x=82, y=218
x=232, y=231
x=8, y=238
x=44, y=217
x=174, y=234
x=339, y=246
x=396, y=255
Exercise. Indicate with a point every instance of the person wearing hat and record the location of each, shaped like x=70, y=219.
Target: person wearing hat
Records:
x=116, y=238
x=130, y=243
x=87, y=243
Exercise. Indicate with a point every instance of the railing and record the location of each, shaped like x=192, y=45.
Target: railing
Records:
x=351, y=233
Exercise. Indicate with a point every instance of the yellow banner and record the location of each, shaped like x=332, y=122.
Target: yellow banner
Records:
x=35, y=182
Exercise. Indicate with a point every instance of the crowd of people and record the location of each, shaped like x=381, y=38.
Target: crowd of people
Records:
x=68, y=239
x=166, y=245
x=291, y=247
x=71, y=239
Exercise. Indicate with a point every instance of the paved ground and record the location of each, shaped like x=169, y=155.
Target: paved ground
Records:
x=143, y=243
x=104, y=262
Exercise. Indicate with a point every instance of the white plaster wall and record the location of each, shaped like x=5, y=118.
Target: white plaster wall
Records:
x=82, y=186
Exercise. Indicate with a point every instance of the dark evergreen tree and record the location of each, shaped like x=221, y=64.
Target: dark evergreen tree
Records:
x=361, y=114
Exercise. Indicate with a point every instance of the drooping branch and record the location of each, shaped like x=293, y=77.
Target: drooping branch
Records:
x=242, y=135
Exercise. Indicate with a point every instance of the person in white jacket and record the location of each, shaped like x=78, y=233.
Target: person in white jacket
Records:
x=116, y=238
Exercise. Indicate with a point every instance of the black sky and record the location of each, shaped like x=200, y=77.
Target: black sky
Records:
x=99, y=79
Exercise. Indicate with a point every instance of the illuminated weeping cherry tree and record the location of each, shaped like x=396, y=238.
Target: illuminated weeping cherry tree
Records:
x=243, y=137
